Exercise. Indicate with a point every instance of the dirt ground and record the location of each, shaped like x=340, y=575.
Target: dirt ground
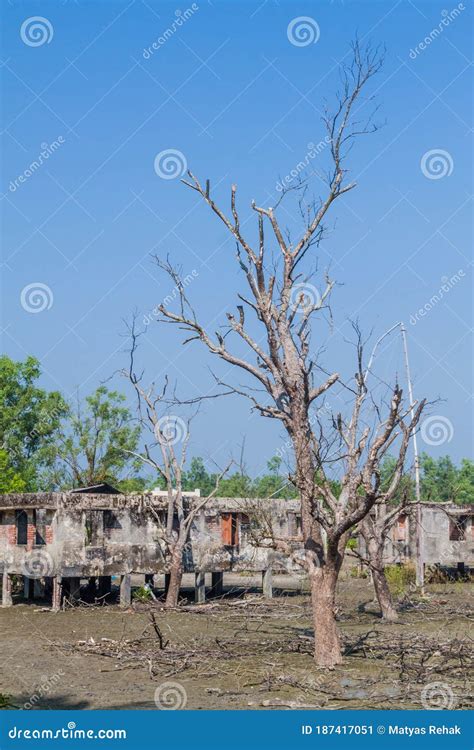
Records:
x=240, y=652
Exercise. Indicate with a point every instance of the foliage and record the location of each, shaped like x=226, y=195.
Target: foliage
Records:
x=29, y=419
x=399, y=577
x=94, y=441
x=142, y=594
x=442, y=481
x=239, y=484
x=5, y=701
x=10, y=480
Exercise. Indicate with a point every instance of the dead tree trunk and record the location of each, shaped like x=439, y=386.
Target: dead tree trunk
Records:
x=176, y=575
x=327, y=644
x=374, y=547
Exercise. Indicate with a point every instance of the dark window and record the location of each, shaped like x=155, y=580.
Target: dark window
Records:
x=111, y=520
x=294, y=523
x=457, y=529
x=21, y=521
x=38, y=522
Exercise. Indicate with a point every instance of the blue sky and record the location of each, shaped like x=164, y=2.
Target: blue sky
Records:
x=241, y=103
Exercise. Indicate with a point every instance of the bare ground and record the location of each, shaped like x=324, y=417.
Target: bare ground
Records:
x=240, y=652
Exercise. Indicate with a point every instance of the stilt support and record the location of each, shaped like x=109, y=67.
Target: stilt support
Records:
x=6, y=590
x=57, y=591
x=126, y=590
x=200, y=588
x=267, y=583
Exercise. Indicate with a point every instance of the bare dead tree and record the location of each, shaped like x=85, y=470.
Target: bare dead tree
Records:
x=375, y=529
x=355, y=444
x=280, y=362
x=166, y=453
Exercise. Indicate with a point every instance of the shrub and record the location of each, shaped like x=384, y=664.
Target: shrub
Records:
x=142, y=594
x=399, y=577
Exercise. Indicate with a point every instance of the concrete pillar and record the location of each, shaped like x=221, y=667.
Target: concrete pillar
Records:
x=38, y=588
x=267, y=583
x=27, y=587
x=6, y=590
x=217, y=583
x=57, y=591
x=75, y=589
x=105, y=585
x=200, y=588
x=126, y=590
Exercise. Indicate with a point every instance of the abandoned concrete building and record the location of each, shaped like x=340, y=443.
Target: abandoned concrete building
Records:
x=56, y=540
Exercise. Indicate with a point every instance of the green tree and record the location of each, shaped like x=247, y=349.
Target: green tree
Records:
x=10, y=480
x=95, y=441
x=197, y=477
x=29, y=419
x=438, y=479
x=465, y=483
x=274, y=483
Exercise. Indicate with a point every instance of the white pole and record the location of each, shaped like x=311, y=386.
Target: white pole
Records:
x=420, y=570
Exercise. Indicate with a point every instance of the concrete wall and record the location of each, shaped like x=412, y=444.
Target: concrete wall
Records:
x=107, y=535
